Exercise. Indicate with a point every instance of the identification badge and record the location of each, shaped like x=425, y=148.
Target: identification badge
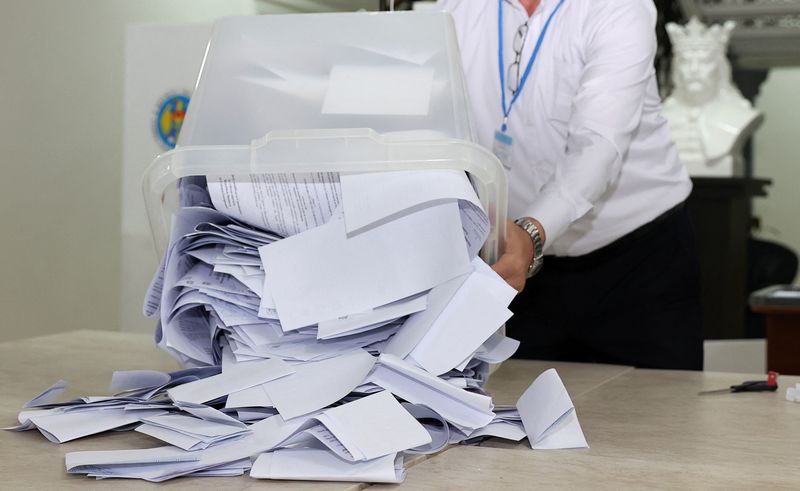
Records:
x=502, y=146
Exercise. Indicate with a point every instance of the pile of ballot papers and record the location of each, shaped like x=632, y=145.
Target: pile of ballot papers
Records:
x=329, y=325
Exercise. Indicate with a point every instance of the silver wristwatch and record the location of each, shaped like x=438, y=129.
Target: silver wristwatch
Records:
x=538, y=254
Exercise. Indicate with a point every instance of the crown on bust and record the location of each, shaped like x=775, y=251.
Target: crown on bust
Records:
x=696, y=35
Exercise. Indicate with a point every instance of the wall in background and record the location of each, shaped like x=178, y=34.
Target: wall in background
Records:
x=61, y=87
x=777, y=156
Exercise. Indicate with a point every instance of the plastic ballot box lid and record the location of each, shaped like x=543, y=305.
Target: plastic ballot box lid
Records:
x=344, y=92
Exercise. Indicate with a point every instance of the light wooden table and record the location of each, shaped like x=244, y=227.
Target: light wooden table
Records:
x=86, y=360
x=646, y=428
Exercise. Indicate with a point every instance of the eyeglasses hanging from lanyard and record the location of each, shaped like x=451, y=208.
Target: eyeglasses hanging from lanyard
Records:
x=512, y=75
x=521, y=34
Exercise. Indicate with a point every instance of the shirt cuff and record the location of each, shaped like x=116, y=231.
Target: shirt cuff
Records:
x=555, y=212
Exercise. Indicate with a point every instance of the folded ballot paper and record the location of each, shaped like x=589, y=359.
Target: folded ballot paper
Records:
x=329, y=325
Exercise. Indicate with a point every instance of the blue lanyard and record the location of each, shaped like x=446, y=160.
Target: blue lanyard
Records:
x=507, y=110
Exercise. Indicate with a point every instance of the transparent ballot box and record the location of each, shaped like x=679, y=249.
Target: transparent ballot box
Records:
x=337, y=93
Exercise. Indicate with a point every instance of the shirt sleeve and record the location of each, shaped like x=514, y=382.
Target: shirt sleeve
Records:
x=619, y=49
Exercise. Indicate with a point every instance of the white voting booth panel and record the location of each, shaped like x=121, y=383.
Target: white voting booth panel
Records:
x=161, y=62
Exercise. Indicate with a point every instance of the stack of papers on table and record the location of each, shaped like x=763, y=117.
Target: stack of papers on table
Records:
x=328, y=330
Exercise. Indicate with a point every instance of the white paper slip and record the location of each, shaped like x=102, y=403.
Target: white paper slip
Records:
x=241, y=376
x=417, y=325
x=137, y=379
x=371, y=199
x=75, y=460
x=66, y=426
x=283, y=203
x=315, y=385
x=254, y=414
x=473, y=314
x=207, y=413
x=501, y=429
x=254, y=283
x=231, y=469
x=374, y=426
x=202, y=276
x=176, y=438
x=497, y=349
x=504, y=292
x=389, y=90
x=314, y=464
x=434, y=424
x=322, y=350
x=417, y=251
x=160, y=464
x=207, y=254
x=374, y=317
x=377, y=197
x=255, y=396
x=466, y=410
x=48, y=396
x=183, y=223
x=189, y=432
x=548, y=414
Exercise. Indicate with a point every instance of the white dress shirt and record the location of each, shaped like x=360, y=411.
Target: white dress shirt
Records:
x=592, y=156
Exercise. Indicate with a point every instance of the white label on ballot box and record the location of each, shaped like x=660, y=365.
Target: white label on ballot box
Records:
x=379, y=90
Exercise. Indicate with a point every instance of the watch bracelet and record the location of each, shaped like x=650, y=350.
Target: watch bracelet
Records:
x=538, y=254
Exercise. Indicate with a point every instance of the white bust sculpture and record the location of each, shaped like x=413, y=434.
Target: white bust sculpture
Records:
x=709, y=118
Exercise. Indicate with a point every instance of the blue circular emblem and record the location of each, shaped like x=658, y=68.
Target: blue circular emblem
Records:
x=169, y=118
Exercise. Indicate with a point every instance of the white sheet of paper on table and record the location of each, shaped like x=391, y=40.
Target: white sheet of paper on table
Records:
x=463, y=409
x=61, y=427
x=548, y=414
x=164, y=454
x=501, y=429
x=346, y=276
x=243, y=375
x=312, y=387
x=205, y=426
x=162, y=463
x=374, y=426
x=315, y=464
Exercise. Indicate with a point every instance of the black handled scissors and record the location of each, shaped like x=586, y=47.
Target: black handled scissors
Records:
x=771, y=385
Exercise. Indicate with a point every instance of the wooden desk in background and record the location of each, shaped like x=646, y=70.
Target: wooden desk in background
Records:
x=647, y=429
x=783, y=337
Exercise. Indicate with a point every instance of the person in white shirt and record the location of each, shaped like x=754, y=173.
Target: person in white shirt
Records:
x=564, y=92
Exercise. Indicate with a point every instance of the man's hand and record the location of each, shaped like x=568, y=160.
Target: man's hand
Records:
x=513, y=264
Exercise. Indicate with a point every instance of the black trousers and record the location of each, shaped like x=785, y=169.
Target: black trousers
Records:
x=634, y=302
